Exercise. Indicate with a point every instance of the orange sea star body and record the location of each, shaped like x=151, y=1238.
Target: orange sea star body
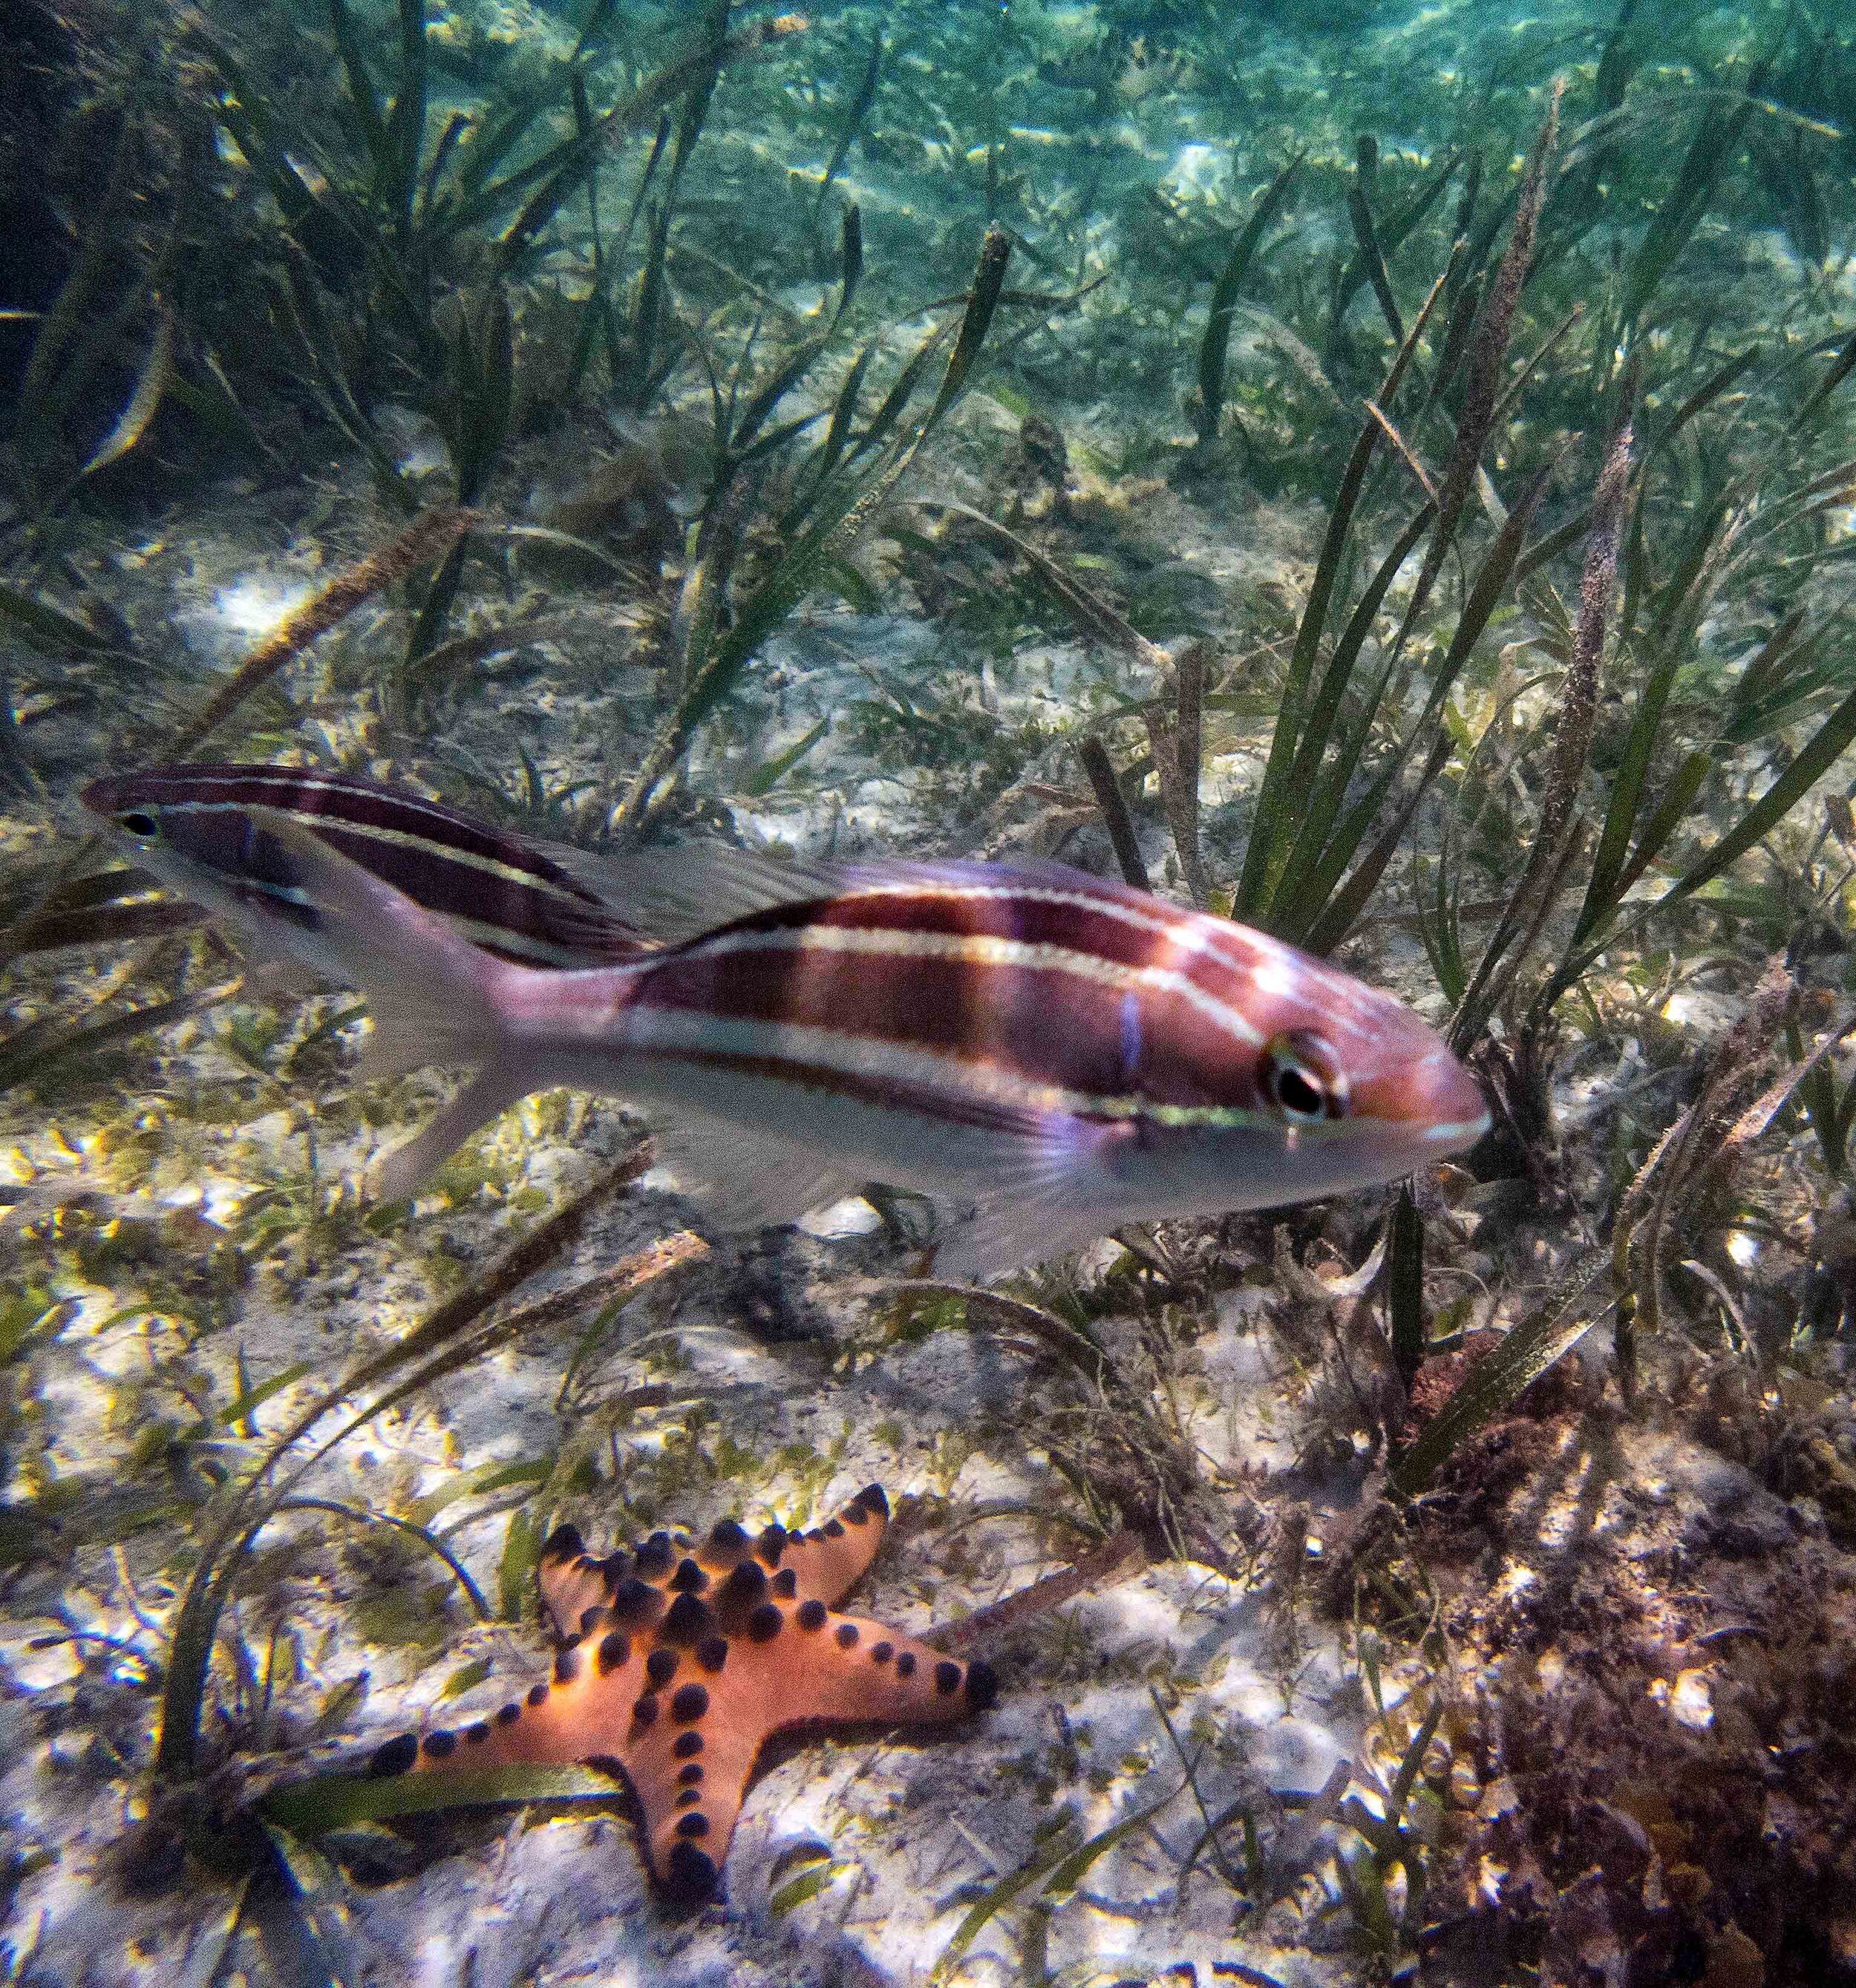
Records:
x=679, y=1662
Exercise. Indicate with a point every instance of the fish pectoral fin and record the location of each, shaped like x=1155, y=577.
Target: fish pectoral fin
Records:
x=755, y=1178
x=1045, y=1193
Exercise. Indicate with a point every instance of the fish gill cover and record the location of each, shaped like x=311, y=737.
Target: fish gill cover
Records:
x=1383, y=474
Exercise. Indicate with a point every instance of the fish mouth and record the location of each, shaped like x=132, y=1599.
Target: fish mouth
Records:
x=1370, y=1156
x=1434, y=1105
x=1403, y=1145
x=104, y=796
x=1457, y=1135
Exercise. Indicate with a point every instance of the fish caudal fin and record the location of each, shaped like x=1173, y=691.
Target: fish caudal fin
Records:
x=433, y=998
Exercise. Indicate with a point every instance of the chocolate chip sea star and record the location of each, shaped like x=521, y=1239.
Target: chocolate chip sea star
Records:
x=677, y=1663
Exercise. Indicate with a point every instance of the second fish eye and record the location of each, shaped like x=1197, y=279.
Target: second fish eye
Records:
x=137, y=822
x=1300, y=1076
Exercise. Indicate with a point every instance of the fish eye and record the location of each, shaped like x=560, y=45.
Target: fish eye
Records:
x=1300, y=1076
x=139, y=823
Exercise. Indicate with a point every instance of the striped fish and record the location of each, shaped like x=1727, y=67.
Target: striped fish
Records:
x=196, y=828
x=1070, y=1053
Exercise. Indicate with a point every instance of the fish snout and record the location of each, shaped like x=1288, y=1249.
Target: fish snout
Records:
x=106, y=796
x=1433, y=1099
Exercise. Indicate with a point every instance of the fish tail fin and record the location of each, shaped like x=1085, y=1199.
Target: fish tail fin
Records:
x=433, y=998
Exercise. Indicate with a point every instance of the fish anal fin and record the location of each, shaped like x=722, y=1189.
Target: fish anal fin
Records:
x=755, y=1178
x=1047, y=1187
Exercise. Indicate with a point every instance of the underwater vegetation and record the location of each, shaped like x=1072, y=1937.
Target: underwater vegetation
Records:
x=1384, y=475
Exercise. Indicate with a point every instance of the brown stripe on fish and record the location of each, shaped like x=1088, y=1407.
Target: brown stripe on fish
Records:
x=1085, y=1064
x=935, y=1089
x=1243, y=981
x=1108, y=921
x=968, y=1097
x=323, y=800
x=311, y=791
x=1052, y=1014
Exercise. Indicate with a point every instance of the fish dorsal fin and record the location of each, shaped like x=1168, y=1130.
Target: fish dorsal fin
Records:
x=675, y=893
x=678, y=893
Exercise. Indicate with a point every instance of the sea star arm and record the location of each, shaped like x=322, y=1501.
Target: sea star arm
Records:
x=583, y=1713
x=830, y=1561
x=825, y=1564
x=691, y=1768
